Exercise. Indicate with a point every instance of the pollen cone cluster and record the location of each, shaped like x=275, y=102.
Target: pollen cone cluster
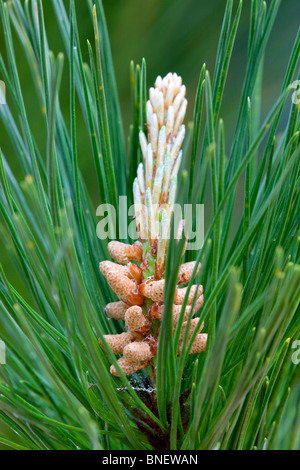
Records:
x=137, y=277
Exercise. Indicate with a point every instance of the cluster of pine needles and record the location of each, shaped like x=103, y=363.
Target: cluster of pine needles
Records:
x=56, y=391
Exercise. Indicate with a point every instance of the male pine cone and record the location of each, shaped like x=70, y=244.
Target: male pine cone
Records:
x=138, y=278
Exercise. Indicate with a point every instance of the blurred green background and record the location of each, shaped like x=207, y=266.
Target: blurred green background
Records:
x=173, y=35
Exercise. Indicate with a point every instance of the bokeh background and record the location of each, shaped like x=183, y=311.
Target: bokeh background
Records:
x=173, y=35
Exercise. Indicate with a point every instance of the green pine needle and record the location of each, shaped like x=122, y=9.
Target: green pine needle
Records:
x=56, y=391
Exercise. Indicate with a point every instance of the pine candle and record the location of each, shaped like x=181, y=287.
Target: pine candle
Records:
x=137, y=277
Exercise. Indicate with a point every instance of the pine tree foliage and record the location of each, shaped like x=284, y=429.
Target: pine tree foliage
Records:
x=56, y=391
